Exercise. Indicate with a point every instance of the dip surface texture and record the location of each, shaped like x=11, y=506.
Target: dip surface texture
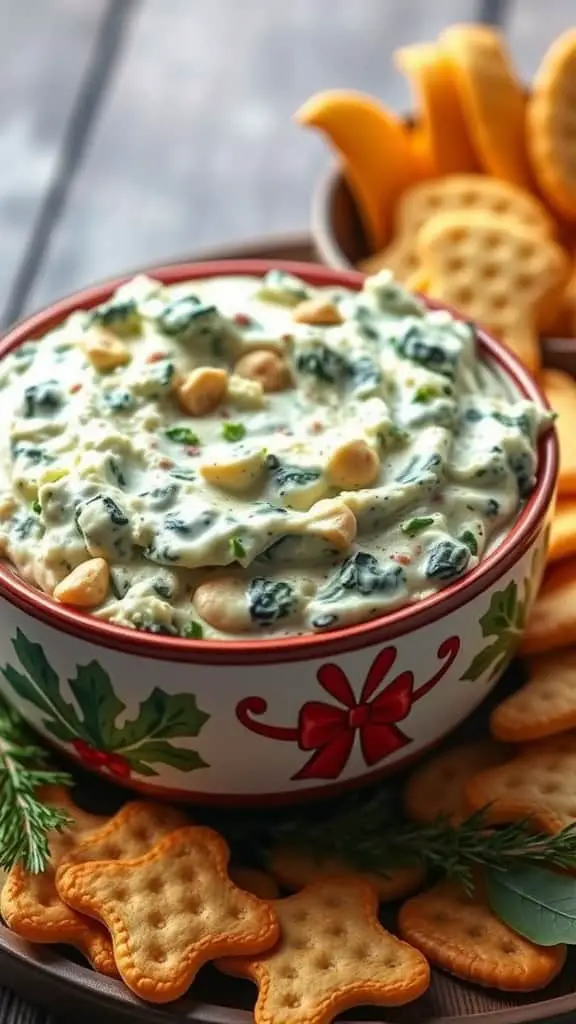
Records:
x=239, y=457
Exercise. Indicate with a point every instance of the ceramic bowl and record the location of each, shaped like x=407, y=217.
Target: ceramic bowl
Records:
x=337, y=231
x=271, y=720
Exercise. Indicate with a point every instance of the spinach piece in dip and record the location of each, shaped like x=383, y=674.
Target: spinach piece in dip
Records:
x=423, y=346
x=319, y=361
x=270, y=600
x=120, y=316
x=105, y=528
x=180, y=318
x=446, y=560
x=43, y=399
x=362, y=574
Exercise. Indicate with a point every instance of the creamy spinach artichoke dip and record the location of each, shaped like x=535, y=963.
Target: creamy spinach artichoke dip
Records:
x=244, y=457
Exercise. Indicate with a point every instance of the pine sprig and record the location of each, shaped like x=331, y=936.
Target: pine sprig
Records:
x=25, y=820
x=368, y=833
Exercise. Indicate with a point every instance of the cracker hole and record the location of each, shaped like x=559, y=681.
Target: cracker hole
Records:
x=301, y=916
x=441, y=917
x=493, y=240
x=120, y=893
x=434, y=201
x=332, y=902
x=525, y=251
x=475, y=931
x=391, y=963
x=468, y=198
x=110, y=852
x=156, y=920
x=154, y=884
x=291, y=1000
x=550, y=787
x=299, y=942
x=499, y=302
x=336, y=930
x=524, y=281
x=142, y=835
x=288, y=973
x=490, y=271
x=458, y=235
x=509, y=947
x=463, y=295
x=360, y=951
x=455, y=265
x=500, y=205
x=324, y=962
x=156, y=953
x=237, y=912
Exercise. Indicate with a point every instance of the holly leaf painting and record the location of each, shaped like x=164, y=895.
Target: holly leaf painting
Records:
x=165, y=716
x=156, y=752
x=483, y=661
x=501, y=614
x=504, y=620
x=41, y=687
x=137, y=745
x=93, y=691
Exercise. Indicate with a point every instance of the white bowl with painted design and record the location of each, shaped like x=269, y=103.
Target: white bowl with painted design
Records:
x=272, y=720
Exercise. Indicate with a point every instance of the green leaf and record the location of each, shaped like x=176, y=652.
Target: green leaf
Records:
x=99, y=704
x=483, y=660
x=157, y=752
x=42, y=688
x=536, y=903
x=237, y=548
x=33, y=659
x=193, y=630
x=182, y=435
x=163, y=716
x=501, y=613
x=233, y=431
x=469, y=539
x=414, y=526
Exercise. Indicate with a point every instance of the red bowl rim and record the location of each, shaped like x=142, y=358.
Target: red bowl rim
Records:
x=249, y=652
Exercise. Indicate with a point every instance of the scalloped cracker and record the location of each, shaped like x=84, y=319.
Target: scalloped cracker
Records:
x=333, y=954
x=294, y=869
x=538, y=785
x=460, y=933
x=551, y=122
x=32, y=908
x=437, y=788
x=171, y=911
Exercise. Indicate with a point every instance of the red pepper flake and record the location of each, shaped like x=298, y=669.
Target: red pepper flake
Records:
x=401, y=559
x=242, y=319
x=316, y=427
x=74, y=388
x=155, y=357
x=286, y=337
x=165, y=463
x=224, y=414
x=193, y=449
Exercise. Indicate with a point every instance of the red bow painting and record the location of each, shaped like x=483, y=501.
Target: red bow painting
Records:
x=330, y=730
x=100, y=759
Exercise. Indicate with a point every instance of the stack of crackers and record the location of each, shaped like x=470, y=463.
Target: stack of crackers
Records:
x=475, y=204
x=149, y=897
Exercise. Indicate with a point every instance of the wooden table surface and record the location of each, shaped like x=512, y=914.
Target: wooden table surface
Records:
x=134, y=131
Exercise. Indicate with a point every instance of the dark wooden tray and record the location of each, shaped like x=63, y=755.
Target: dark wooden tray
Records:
x=52, y=977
